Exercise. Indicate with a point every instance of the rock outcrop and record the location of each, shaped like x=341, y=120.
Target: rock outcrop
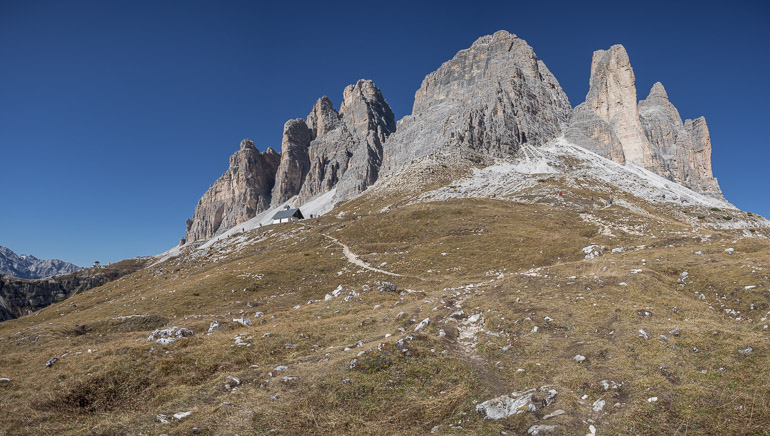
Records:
x=331, y=149
x=649, y=133
x=682, y=150
x=243, y=191
x=491, y=98
x=30, y=267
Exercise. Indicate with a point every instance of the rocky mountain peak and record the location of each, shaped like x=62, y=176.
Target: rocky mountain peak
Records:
x=247, y=144
x=657, y=91
x=243, y=191
x=323, y=117
x=612, y=97
x=649, y=133
x=492, y=97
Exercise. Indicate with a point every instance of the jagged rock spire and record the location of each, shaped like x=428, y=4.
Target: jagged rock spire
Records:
x=238, y=195
x=649, y=133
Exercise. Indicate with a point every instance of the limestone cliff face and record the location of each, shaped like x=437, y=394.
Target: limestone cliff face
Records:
x=295, y=161
x=333, y=149
x=243, y=191
x=649, y=133
x=609, y=116
x=681, y=151
x=492, y=98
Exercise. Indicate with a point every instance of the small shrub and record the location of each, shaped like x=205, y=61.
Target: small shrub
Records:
x=372, y=361
x=715, y=209
x=541, y=180
x=701, y=217
x=727, y=218
x=104, y=393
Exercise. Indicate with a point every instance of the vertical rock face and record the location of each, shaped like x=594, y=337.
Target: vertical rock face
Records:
x=492, y=97
x=370, y=121
x=649, y=133
x=682, y=151
x=609, y=116
x=295, y=161
x=243, y=191
x=335, y=149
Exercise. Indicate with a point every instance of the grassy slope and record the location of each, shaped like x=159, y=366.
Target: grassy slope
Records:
x=439, y=249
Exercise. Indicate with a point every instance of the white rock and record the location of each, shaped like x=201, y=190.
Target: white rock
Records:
x=441, y=333
x=541, y=429
x=579, y=358
x=242, y=321
x=214, y=326
x=181, y=415
x=507, y=405
x=4, y=380
x=598, y=405
x=424, y=323
x=644, y=334
x=730, y=250
x=554, y=414
x=652, y=399
x=337, y=291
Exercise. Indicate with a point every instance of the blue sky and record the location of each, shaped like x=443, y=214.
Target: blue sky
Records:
x=116, y=116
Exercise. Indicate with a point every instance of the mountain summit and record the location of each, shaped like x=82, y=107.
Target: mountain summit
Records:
x=489, y=100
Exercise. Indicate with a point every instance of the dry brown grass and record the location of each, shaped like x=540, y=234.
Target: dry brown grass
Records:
x=125, y=381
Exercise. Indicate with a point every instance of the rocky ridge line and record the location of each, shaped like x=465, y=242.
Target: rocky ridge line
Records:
x=30, y=267
x=492, y=99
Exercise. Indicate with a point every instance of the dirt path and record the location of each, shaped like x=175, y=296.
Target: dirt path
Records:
x=352, y=258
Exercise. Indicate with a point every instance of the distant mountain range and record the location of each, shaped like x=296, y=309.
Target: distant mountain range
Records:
x=30, y=267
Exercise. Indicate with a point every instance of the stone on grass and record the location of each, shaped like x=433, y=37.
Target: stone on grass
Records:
x=242, y=321
x=541, y=429
x=214, y=326
x=424, y=323
x=598, y=405
x=554, y=414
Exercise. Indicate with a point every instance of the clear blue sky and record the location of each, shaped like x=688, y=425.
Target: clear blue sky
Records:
x=115, y=116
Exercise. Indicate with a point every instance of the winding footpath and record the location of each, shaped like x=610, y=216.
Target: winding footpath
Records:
x=352, y=258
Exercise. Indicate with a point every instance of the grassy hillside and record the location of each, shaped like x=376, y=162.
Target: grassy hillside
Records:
x=511, y=300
